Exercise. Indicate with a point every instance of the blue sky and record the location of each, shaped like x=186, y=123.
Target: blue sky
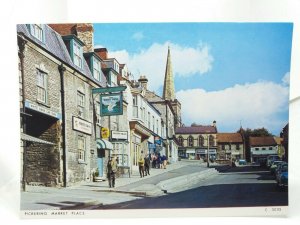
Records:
x=236, y=72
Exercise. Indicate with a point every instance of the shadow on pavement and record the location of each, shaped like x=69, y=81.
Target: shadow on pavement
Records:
x=213, y=196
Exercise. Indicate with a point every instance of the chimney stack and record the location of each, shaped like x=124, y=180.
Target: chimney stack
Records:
x=102, y=53
x=143, y=82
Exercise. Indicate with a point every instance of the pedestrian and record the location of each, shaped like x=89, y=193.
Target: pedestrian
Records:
x=147, y=165
x=111, y=172
x=164, y=160
x=141, y=163
x=154, y=159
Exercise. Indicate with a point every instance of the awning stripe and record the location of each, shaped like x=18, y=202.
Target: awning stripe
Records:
x=27, y=137
x=104, y=144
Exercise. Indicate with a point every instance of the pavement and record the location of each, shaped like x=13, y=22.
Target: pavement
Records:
x=89, y=194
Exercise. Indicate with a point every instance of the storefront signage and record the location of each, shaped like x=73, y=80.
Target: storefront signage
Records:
x=41, y=109
x=119, y=135
x=105, y=132
x=111, y=104
x=204, y=151
x=82, y=125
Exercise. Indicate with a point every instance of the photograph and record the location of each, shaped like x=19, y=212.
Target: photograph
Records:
x=154, y=116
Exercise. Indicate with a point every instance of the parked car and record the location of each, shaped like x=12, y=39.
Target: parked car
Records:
x=271, y=159
x=242, y=162
x=282, y=176
x=274, y=166
x=278, y=168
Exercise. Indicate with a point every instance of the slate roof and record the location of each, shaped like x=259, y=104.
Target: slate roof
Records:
x=55, y=45
x=262, y=141
x=229, y=137
x=196, y=130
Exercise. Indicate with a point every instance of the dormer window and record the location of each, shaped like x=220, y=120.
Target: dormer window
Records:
x=96, y=69
x=77, y=54
x=37, y=30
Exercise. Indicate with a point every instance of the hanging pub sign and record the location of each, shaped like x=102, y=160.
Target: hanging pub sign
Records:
x=111, y=104
x=104, y=132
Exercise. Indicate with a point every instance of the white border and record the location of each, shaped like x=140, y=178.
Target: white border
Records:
x=54, y=11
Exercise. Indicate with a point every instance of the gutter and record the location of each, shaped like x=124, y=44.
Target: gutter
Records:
x=62, y=70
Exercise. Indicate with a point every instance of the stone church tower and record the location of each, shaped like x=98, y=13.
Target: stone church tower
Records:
x=169, y=91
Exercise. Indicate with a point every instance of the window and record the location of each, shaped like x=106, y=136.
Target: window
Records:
x=157, y=126
x=201, y=141
x=37, y=31
x=135, y=107
x=211, y=140
x=180, y=141
x=81, y=148
x=270, y=148
x=256, y=149
x=237, y=146
x=77, y=54
x=80, y=104
x=223, y=147
x=149, y=121
x=113, y=80
x=41, y=86
x=153, y=124
x=229, y=146
x=190, y=141
x=96, y=69
x=98, y=113
x=263, y=148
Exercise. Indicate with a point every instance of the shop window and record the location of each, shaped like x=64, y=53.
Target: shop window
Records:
x=41, y=86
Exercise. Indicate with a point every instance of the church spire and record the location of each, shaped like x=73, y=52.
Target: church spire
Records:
x=169, y=90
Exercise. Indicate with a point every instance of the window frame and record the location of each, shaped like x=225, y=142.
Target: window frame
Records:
x=77, y=46
x=38, y=31
x=81, y=104
x=97, y=69
x=81, y=151
x=190, y=141
x=43, y=87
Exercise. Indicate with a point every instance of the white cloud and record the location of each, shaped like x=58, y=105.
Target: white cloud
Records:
x=256, y=105
x=151, y=62
x=286, y=78
x=138, y=36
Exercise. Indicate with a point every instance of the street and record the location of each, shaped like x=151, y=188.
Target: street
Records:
x=236, y=187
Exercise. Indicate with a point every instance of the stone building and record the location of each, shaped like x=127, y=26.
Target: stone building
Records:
x=230, y=147
x=195, y=141
x=59, y=122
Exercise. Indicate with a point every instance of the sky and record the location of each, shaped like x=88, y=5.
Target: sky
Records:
x=234, y=73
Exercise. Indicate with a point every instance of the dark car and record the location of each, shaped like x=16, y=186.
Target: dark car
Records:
x=282, y=176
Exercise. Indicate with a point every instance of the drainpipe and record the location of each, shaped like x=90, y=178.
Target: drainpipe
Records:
x=62, y=70
x=21, y=44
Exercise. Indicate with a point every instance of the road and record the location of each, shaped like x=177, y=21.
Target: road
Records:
x=237, y=187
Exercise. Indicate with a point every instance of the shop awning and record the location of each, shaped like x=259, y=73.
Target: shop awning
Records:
x=104, y=144
x=27, y=137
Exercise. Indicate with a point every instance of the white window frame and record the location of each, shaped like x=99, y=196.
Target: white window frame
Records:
x=96, y=69
x=80, y=104
x=77, y=54
x=37, y=31
x=81, y=146
x=42, y=83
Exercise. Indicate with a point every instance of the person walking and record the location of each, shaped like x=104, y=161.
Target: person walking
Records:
x=141, y=163
x=147, y=165
x=164, y=160
x=112, y=168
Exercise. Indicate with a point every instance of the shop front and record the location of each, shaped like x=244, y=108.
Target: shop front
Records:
x=202, y=154
x=104, y=148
